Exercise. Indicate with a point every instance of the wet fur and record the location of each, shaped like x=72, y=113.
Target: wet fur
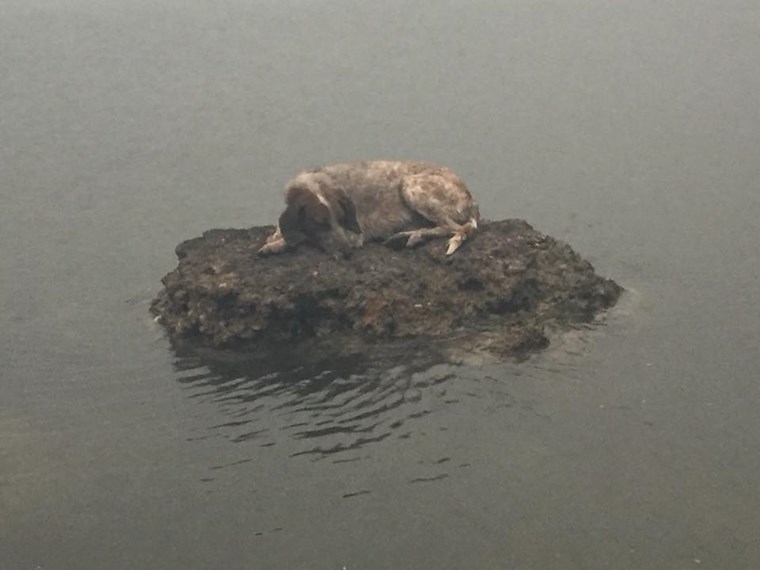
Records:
x=340, y=207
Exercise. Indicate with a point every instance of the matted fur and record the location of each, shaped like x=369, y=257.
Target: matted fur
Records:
x=340, y=207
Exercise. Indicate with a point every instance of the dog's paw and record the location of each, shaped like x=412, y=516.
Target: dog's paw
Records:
x=454, y=243
x=271, y=248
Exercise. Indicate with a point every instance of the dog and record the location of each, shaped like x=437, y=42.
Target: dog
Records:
x=340, y=207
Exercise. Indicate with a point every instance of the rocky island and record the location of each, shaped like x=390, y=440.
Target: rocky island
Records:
x=499, y=293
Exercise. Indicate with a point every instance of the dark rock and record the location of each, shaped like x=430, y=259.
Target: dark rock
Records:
x=498, y=292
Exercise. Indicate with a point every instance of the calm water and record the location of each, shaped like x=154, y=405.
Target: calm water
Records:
x=631, y=130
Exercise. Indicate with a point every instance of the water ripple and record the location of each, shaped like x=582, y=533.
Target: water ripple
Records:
x=320, y=408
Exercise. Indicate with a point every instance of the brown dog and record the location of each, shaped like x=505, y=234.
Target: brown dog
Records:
x=340, y=207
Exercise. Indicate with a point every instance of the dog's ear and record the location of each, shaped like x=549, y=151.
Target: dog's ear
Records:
x=304, y=216
x=290, y=225
x=313, y=215
x=347, y=213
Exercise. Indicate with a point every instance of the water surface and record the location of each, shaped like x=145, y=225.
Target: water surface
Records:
x=630, y=130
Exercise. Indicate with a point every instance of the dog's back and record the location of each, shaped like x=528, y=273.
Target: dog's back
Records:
x=376, y=190
x=344, y=205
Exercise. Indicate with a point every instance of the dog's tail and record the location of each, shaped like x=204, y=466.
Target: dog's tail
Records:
x=462, y=233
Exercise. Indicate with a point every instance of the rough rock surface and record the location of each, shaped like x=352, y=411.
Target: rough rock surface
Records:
x=498, y=292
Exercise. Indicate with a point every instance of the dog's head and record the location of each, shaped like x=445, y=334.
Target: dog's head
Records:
x=307, y=218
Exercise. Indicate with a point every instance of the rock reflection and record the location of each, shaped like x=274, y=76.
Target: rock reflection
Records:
x=320, y=405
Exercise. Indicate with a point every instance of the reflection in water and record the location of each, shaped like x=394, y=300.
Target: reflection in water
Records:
x=330, y=405
x=417, y=402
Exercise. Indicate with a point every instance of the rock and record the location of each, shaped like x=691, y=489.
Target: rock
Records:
x=499, y=292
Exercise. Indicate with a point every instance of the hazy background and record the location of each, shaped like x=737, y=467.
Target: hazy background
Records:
x=629, y=129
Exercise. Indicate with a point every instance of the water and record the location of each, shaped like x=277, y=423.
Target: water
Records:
x=629, y=130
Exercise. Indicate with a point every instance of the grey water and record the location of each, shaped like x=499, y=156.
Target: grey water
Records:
x=630, y=130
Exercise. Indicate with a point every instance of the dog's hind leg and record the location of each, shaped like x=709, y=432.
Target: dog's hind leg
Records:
x=444, y=200
x=460, y=233
x=416, y=237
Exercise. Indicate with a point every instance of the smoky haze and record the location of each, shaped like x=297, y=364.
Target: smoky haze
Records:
x=629, y=129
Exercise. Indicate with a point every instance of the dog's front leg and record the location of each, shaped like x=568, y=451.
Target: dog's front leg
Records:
x=337, y=243
x=274, y=244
